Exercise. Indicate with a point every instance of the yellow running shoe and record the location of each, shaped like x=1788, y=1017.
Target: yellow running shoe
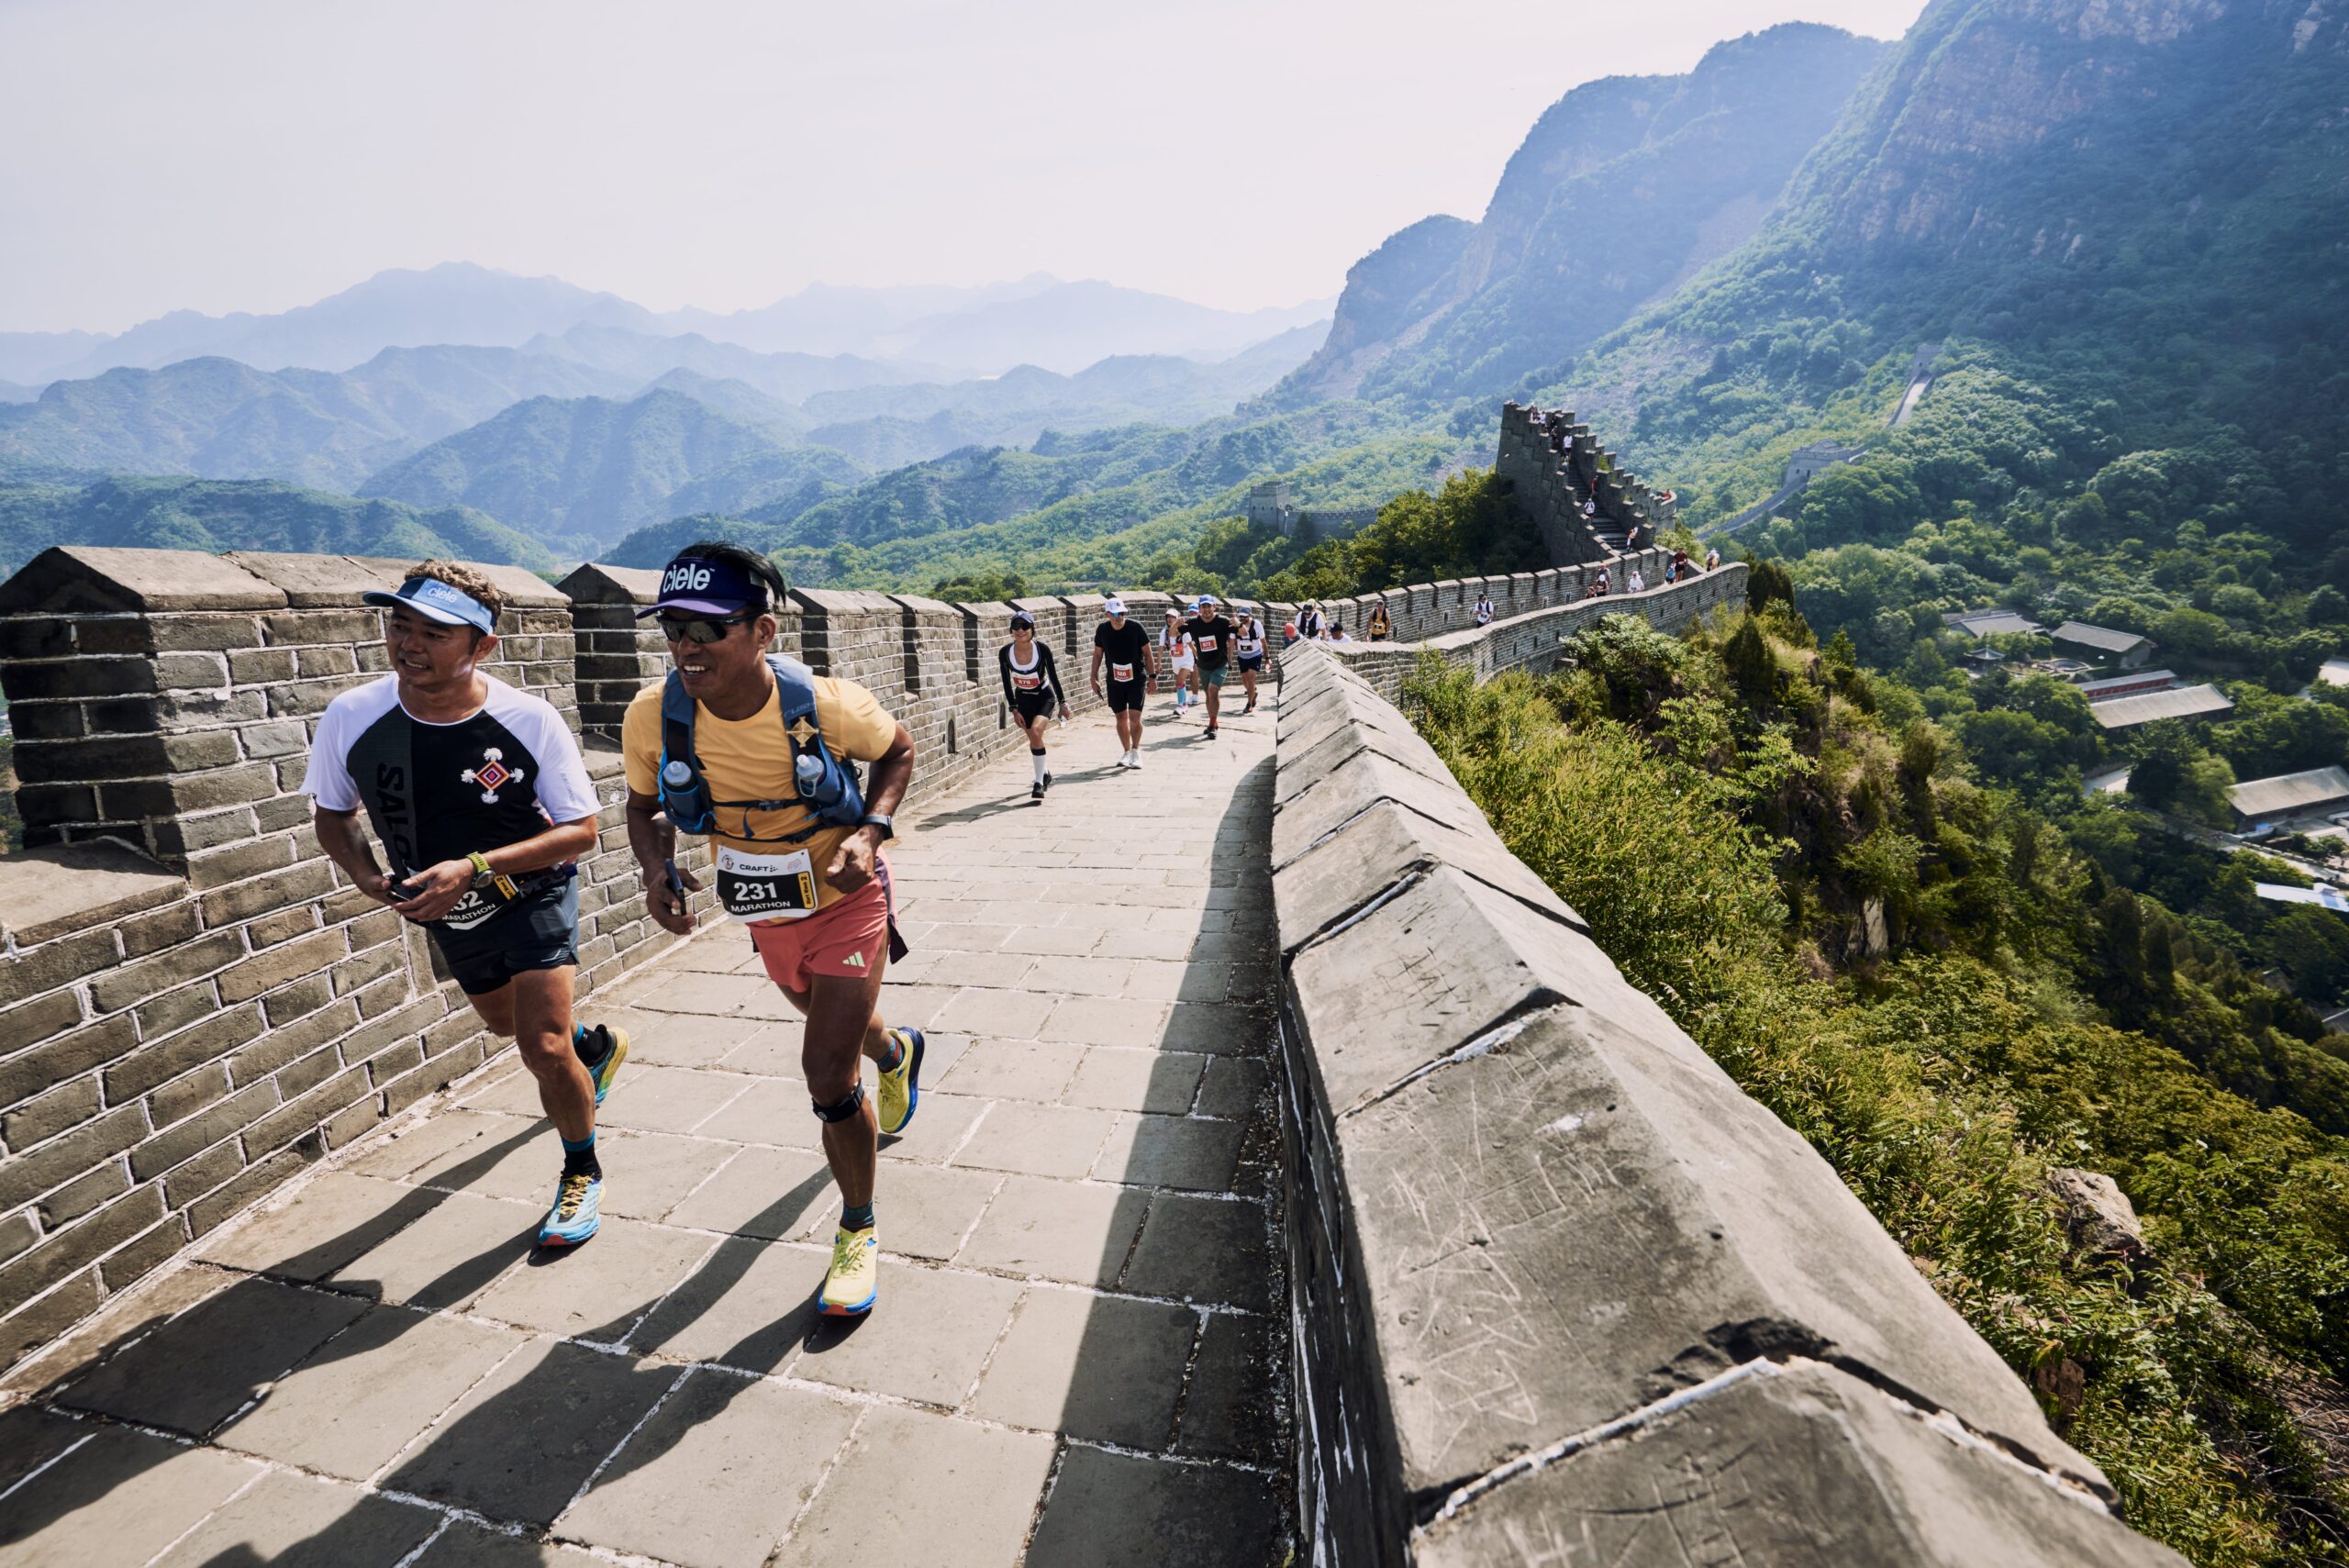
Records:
x=604, y=1070
x=901, y=1086
x=854, y=1281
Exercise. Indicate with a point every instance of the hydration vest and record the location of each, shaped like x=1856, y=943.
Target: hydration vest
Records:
x=826, y=786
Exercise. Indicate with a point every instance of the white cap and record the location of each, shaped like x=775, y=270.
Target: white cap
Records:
x=1113, y=606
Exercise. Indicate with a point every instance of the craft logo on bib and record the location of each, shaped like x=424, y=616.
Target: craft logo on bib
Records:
x=1121, y=672
x=1026, y=683
x=1207, y=645
x=686, y=577
x=491, y=772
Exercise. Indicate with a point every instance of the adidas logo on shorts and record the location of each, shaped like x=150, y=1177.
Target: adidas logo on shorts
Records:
x=854, y=960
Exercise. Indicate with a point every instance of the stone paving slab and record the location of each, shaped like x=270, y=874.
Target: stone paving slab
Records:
x=1075, y=1359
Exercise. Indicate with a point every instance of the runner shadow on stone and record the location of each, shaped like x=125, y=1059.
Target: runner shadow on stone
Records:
x=516, y=1447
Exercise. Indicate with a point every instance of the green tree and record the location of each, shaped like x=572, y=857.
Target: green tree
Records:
x=2313, y=947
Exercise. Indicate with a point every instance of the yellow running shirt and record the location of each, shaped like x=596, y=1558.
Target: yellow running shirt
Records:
x=747, y=760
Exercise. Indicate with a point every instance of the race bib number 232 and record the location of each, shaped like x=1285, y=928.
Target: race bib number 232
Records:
x=766, y=888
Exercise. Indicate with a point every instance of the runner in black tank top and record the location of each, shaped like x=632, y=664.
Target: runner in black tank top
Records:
x=1031, y=689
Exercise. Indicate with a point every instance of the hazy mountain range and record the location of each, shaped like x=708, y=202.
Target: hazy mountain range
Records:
x=535, y=436
x=1039, y=321
x=1715, y=266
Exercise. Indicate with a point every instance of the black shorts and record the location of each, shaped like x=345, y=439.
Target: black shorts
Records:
x=1252, y=664
x=1126, y=697
x=1033, y=706
x=539, y=930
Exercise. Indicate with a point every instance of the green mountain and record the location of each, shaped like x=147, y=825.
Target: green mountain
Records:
x=2129, y=215
x=592, y=468
x=1622, y=189
x=738, y=401
x=218, y=515
x=1109, y=504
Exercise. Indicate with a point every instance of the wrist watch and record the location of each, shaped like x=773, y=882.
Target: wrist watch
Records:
x=876, y=819
x=481, y=872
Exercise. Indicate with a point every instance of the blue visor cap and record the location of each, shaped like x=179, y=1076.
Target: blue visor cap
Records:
x=700, y=586
x=435, y=600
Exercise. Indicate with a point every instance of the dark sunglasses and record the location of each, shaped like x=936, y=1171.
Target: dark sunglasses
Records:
x=700, y=629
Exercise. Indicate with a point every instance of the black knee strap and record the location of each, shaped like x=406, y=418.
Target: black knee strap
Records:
x=842, y=1109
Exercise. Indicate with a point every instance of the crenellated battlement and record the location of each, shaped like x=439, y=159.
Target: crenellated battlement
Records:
x=1556, y=467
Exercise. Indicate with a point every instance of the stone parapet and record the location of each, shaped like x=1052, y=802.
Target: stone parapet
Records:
x=1535, y=621
x=1552, y=1272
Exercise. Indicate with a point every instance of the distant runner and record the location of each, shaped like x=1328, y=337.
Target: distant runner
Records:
x=1182, y=657
x=1210, y=634
x=1248, y=653
x=1133, y=671
x=1031, y=687
x=754, y=750
x=478, y=796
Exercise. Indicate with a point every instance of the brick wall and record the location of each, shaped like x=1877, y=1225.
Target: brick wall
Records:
x=193, y=1002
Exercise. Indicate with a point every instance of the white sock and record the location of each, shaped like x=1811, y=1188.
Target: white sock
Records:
x=1037, y=758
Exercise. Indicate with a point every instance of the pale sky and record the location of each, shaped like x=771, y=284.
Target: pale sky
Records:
x=258, y=154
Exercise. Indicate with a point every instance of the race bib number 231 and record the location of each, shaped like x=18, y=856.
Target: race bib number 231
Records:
x=766, y=888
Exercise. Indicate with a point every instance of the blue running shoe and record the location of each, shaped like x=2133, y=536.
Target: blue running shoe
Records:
x=577, y=1212
x=901, y=1086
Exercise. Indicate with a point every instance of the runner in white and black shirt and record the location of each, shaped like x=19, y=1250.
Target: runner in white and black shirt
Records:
x=1247, y=655
x=477, y=793
x=1031, y=688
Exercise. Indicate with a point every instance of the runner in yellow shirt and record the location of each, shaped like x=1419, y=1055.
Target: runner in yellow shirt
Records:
x=754, y=750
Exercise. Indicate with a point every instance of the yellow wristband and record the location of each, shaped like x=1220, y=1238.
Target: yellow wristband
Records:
x=481, y=865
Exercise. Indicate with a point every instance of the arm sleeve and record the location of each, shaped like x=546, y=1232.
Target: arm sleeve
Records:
x=1052, y=673
x=328, y=778
x=1003, y=669
x=565, y=792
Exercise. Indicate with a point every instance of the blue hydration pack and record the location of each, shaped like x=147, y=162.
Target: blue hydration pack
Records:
x=827, y=784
